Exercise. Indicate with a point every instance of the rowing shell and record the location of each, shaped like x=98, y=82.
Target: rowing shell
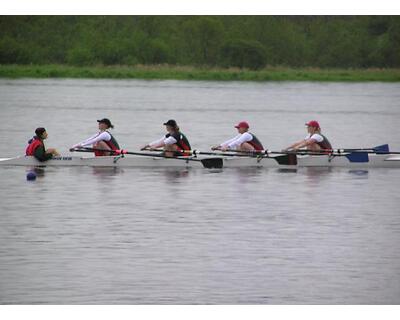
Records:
x=131, y=161
x=370, y=161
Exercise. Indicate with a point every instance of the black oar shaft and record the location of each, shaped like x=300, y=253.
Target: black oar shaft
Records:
x=207, y=163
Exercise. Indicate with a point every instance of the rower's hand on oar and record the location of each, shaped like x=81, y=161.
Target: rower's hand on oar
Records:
x=119, y=151
x=216, y=148
x=146, y=147
x=75, y=147
x=224, y=149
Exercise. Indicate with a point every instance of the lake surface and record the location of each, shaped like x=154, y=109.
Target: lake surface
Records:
x=162, y=236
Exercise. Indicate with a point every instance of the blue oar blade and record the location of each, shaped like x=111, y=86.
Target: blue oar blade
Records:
x=357, y=157
x=382, y=149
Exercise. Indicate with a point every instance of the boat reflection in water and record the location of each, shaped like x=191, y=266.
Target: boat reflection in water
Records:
x=107, y=171
x=360, y=173
x=38, y=171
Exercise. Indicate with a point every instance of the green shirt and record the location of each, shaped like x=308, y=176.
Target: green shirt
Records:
x=41, y=155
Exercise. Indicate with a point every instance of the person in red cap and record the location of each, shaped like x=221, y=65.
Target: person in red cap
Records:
x=244, y=141
x=314, y=140
x=174, y=142
x=102, y=140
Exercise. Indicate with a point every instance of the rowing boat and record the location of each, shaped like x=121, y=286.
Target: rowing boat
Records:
x=279, y=161
x=111, y=161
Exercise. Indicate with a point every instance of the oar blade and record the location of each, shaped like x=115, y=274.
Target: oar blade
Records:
x=212, y=163
x=287, y=159
x=384, y=148
x=357, y=157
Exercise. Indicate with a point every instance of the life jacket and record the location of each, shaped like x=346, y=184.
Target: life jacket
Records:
x=324, y=144
x=181, y=141
x=255, y=143
x=112, y=144
x=33, y=144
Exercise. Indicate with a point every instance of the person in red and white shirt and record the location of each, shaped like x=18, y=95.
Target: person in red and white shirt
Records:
x=102, y=141
x=314, y=140
x=244, y=141
x=174, y=142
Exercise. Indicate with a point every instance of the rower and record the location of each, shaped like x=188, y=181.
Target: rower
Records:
x=244, y=141
x=314, y=140
x=37, y=149
x=102, y=140
x=174, y=142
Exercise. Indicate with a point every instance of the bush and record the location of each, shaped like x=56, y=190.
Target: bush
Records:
x=12, y=52
x=153, y=51
x=243, y=54
x=80, y=57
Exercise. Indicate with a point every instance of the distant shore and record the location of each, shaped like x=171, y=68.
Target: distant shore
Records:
x=163, y=72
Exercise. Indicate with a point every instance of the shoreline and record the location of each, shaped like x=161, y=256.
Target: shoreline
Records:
x=168, y=72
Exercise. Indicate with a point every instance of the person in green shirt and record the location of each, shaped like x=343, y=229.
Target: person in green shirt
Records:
x=37, y=149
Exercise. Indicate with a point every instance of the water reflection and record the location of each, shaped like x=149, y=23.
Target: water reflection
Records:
x=105, y=172
x=359, y=173
x=175, y=175
x=288, y=170
x=39, y=172
x=247, y=175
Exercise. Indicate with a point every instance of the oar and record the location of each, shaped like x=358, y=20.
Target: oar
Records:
x=209, y=163
x=378, y=149
x=283, y=159
x=290, y=157
x=198, y=152
x=381, y=149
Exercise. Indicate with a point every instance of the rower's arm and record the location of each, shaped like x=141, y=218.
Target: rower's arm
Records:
x=104, y=136
x=228, y=142
x=296, y=145
x=305, y=143
x=162, y=142
x=245, y=137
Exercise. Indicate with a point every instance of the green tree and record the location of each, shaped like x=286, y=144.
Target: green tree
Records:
x=243, y=54
x=202, y=37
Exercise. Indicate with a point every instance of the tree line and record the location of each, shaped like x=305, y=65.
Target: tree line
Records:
x=251, y=42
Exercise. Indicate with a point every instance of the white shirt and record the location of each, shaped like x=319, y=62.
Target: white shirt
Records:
x=167, y=141
x=101, y=136
x=237, y=141
x=316, y=137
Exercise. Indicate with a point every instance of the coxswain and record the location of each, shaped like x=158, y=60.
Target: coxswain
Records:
x=314, y=141
x=37, y=149
x=103, y=140
x=244, y=141
x=174, y=142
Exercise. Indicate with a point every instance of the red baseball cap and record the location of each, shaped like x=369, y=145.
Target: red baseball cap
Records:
x=313, y=123
x=242, y=124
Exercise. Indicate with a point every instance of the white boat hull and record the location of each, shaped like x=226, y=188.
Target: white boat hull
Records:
x=374, y=161
x=128, y=161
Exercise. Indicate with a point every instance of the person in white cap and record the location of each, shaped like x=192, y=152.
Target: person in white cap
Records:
x=244, y=141
x=314, y=140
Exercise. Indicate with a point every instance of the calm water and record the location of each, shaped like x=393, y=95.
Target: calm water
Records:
x=159, y=236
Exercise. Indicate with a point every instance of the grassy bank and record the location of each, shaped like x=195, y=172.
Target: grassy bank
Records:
x=193, y=73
